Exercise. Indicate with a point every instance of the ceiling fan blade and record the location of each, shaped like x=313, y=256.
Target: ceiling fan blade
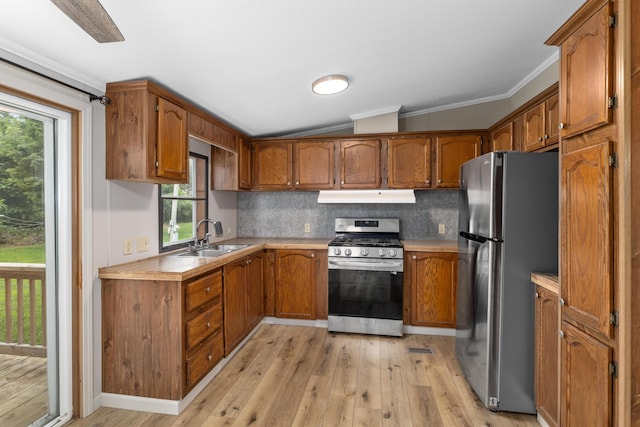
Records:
x=92, y=18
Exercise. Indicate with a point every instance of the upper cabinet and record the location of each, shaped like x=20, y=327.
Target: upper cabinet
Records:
x=146, y=134
x=272, y=165
x=451, y=151
x=314, y=165
x=244, y=164
x=409, y=162
x=586, y=75
x=502, y=138
x=540, y=125
x=360, y=163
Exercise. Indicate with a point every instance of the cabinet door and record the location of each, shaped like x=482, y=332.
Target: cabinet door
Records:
x=272, y=163
x=533, y=131
x=586, y=248
x=224, y=169
x=450, y=153
x=255, y=291
x=172, y=141
x=586, y=75
x=502, y=138
x=296, y=284
x=244, y=164
x=586, y=382
x=314, y=165
x=433, y=282
x=410, y=163
x=552, y=120
x=547, y=348
x=360, y=163
x=235, y=303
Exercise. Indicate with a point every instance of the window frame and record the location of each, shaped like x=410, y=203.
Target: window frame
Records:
x=205, y=181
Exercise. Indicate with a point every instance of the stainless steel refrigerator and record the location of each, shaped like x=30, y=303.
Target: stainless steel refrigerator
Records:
x=508, y=227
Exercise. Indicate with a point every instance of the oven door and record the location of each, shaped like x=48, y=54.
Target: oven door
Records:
x=365, y=296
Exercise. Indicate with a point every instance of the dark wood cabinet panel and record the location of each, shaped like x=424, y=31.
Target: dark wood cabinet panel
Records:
x=244, y=164
x=547, y=357
x=314, y=165
x=172, y=141
x=586, y=75
x=272, y=165
x=409, y=162
x=586, y=389
x=502, y=138
x=432, y=279
x=451, y=151
x=296, y=284
x=360, y=163
x=533, y=128
x=255, y=290
x=586, y=247
x=224, y=169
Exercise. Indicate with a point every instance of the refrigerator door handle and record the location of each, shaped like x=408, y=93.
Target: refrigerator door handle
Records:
x=479, y=239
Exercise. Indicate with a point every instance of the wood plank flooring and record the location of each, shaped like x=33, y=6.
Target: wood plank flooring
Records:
x=23, y=388
x=304, y=376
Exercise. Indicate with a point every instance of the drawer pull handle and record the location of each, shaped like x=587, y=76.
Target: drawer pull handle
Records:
x=209, y=357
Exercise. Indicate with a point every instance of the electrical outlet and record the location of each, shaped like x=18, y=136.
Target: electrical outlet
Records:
x=441, y=229
x=229, y=230
x=127, y=246
x=307, y=228
x=143, y=244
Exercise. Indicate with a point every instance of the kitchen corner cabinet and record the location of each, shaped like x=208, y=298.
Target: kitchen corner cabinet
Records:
x=409, y=162
x=146, y=134
x=314, y=165
x=540, y=125
x=295, y=283
x=502, y=138
x=432, y=281
x=360, y=164
x=160, y=338
x=547, y=354
x=272, y=163
x=231, y=170
x=243, y=299
x=450, y=152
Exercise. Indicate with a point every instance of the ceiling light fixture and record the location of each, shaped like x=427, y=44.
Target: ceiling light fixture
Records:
x=330, y=85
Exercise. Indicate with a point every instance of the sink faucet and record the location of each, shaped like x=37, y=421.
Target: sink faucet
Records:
x=204, y=243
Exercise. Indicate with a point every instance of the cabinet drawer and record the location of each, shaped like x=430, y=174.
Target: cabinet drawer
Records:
x=203, y=290
x=204, y=359
x=200, y=327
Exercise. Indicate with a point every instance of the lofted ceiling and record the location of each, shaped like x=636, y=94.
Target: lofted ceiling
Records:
x=252, y=62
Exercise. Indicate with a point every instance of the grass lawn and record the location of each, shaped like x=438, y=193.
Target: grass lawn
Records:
x=21, y=254
x=185, y=231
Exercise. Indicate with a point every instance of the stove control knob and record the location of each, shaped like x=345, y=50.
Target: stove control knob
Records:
x=347, y=252
x=364, y=251
x=393, y=252
x=381, y=252
x=336, y=251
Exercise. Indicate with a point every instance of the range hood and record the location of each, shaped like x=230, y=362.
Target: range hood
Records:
x=366, y=196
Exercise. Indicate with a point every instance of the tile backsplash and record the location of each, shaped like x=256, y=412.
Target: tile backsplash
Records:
x=284, y=214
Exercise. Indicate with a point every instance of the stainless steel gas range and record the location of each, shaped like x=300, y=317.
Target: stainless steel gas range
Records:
x=366, y=268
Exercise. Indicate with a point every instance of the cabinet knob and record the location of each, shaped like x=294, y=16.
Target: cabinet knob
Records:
x=537, y=295
x=208, y=324
x=414, y=257
x=313, y=255
x=561, y=334
x=561, y=301
x=342, y=182
x=288, y=182
x=209, y=357
x=546, y=136
x=539, y=138
x=428, y=181
x=297, y=182
x=561, y=126
x=208, y=289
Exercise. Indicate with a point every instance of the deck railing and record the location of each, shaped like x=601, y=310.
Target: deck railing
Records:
x=23, y=309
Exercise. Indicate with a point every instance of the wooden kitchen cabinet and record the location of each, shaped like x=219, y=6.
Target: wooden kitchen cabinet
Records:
x=587, y=377
x=244, y=164
x=432, y=279
x=360, y=164
x=502, y=138
x=450, y=152
x=547, y=354
x=409, y=162
x=586, y=74
x=224, y=169
x=160, y=338
x=146, y=134
x=540, y=125
x=314, y=165
x=272, y=165
x=295, y=283
x=243, y=299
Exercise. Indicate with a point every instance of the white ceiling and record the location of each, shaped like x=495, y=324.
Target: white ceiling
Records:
x=251, y=62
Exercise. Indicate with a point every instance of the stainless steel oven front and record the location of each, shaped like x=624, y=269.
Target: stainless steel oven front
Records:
x=365, y=294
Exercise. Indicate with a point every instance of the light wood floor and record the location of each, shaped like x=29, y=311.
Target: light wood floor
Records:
x=23, y=389
x=303, y=376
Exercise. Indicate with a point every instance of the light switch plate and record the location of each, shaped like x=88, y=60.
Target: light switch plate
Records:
x=143, y=244
x=307, y=228
x=441, y=229
x=127, y=246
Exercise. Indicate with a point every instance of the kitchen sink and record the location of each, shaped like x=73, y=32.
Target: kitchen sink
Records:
x=214, y=251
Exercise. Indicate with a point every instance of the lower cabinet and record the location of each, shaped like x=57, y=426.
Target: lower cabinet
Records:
x=587, y=379
x=547, y=354
x=430, y=289
x=243, y=299
x=295, y=283
x=160, y=338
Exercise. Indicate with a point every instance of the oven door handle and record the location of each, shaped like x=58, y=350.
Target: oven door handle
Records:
x=378, y=265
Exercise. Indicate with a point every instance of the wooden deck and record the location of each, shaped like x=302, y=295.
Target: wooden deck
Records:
x=299, y=376
x=23, y=389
